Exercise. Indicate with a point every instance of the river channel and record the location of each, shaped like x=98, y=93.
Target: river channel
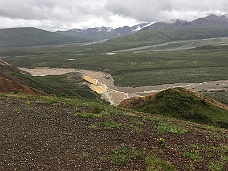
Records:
x=103, y=84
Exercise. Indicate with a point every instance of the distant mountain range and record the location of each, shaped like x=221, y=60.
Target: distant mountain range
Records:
x=209, y=21
x=27, y=36
x=99, y=33
x=211, y=26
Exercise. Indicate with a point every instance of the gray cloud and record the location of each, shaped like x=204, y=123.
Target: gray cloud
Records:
x=48, y=9
x=51, y=13
x=154, y=10
x=59, y=14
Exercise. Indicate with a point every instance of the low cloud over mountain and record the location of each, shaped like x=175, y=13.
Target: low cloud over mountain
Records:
x=64, y=15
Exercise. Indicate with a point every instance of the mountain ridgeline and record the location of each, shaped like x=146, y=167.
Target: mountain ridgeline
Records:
x=143, y=34
x=100, y=33
x=28, y=36
x=209, y=21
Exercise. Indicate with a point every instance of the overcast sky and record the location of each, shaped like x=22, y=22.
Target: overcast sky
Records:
x=66, y=14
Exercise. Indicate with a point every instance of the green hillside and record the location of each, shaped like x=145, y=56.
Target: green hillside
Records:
x=83, y=38
x=160, y=36
x=67, y=85
x=183, y=104
x=28, y=36
x=92, y=37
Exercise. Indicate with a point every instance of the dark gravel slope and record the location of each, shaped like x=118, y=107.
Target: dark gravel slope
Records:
x=38, y=135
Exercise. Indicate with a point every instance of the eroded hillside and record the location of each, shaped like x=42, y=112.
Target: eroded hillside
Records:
x=11, y=84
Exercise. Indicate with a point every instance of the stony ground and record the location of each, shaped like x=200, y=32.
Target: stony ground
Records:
x=40, y=134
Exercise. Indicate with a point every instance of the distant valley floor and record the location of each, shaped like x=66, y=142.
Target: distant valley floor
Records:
x=103, y=84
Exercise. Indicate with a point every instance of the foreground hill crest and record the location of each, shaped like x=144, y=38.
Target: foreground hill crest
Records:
x=181, y=103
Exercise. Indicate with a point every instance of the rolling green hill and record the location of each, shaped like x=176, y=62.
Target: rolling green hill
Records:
x=28, y=36
x=183, y=104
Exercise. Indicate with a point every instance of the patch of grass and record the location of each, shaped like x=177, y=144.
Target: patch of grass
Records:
x=219, y=164
x=154, y=163
x=138, y=123
x=17, y=110
x=164, y=127
x=197, y=146
x=88, y=115
x=223, y=148
x=123, y=154
x=94, y=127
x=135, y=128
x=216, y=155
x=209, y=151
x=190, y=167
x=97, y=110
x=110, y=124
x=107, y=125
x=193, y=155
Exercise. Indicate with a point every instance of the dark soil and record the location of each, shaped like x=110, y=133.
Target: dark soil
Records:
x=47, y=136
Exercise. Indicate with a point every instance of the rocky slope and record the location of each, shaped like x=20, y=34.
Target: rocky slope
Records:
x=49, y=133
